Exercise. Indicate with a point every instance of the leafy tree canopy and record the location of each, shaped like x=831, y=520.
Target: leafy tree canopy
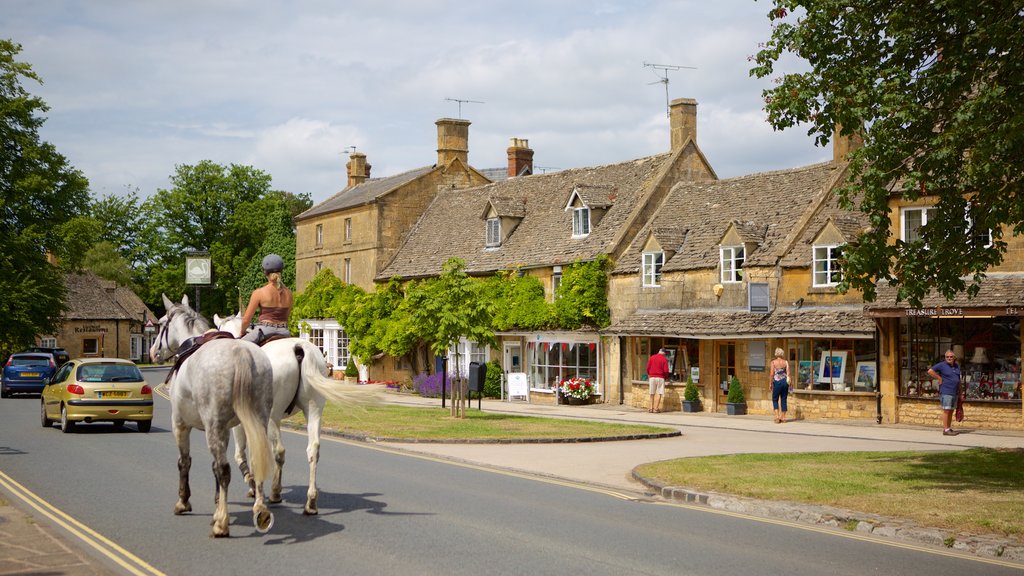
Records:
x=934, y=89
x=104, y=260
x=583, y=294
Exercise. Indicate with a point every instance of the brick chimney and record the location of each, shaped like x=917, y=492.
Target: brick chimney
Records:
x=843, y=145
x=452, y=140
x=682, y=121
x=520, y=157
x=357, y=168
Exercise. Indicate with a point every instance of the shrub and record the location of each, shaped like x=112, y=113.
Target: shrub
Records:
x=427, y=385
x=690, y=393
x=350, y=369
x=736, y=392
x=492, y=385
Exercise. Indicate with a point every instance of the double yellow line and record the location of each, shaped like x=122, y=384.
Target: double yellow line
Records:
x=130, y=562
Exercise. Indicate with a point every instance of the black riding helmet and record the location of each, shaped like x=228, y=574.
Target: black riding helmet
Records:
x=272, y=263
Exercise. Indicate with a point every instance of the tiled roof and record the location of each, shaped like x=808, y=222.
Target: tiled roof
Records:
x=92, y=298
x=451, y=225
x=772, y=202
x=596, y=196
x=998, y=289
x=669, y=237
x=511, y=207
x=849, y=223
x=363, y=193
x=830, y=321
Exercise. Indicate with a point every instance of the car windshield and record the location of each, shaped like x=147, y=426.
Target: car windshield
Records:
x=109, y=373
x=30, y=361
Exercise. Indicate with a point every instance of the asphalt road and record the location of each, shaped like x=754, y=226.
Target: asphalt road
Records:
x=387, y=512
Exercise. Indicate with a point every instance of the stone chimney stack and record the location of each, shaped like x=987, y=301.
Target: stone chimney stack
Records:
x=520, y=157
x=452, y=140
x=682, y=121
x=357, y=168
x=843, y=145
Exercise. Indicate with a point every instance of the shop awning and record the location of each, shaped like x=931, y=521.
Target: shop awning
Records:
x=806, y=322
x=1001, y=294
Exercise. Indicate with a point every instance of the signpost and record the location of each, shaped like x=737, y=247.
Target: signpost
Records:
x=198, y=270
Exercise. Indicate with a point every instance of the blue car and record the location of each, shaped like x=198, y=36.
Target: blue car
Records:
x=27, y=372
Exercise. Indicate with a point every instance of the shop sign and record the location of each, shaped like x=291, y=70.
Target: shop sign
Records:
x=935, y=311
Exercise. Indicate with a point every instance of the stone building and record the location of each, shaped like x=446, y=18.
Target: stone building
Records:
x=103, y=320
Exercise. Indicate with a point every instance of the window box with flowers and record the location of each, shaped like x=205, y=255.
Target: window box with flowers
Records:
x=575, y=391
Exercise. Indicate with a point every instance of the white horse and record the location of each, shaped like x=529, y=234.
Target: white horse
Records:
x=300, y=383
x=222, y=384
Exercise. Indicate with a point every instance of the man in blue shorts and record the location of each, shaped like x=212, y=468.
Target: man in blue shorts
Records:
x=948, y=373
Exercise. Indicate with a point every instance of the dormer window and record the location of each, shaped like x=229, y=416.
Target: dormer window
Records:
x=580, y=222
x=493, y=232
x=732, y=263
x=827, y=271
x=653, y=262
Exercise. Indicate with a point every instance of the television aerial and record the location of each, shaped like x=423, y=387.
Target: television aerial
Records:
x=663, y=78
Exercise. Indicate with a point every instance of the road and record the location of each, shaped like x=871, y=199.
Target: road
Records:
x=389, y=512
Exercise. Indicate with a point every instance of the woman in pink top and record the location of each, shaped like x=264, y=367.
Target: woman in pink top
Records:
x=274, y=301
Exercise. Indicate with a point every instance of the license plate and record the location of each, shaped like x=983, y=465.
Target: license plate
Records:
x=117, y=394
x=30, y=374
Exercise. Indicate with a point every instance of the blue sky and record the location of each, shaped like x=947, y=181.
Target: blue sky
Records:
x=137, y=88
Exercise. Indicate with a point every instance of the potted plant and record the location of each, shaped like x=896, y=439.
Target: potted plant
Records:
x=736, y=403
x=576, y=390
x=351, y=372
x=691, y=397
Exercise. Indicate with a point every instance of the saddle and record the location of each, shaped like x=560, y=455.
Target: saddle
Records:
x=189, y=347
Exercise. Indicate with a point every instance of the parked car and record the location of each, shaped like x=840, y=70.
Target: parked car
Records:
x=97, y=390
x=26, y=372
x=59, y=354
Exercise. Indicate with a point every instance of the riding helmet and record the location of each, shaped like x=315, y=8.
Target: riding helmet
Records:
x=272, y=263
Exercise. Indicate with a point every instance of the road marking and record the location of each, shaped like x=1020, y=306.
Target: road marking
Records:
x=96, y=541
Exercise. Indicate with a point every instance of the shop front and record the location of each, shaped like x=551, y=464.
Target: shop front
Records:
x=549, y=358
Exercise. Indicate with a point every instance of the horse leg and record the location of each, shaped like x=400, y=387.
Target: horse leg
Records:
x=218, y=443
x=274, y=430
x=313, y=414
x=243, y=463
x=181, y=436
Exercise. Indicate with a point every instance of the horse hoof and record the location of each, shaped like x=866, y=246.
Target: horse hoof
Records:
x=180, y=508
x=251, y=493
x=310, y=511
x=274, y=499
x=263, y=520
x=216, y=534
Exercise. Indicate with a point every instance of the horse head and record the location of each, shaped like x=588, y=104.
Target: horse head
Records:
x=232, y=324
x=179, y=323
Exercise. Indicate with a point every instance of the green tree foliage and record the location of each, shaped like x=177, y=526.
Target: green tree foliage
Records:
x=317, y=300
x=104, y=260
x=583, y=295
x=123, y=225
x=39, y=193
x=735, y=392
x=79, y=234
x=934, y=88
x=450, y=307
x=518, y=302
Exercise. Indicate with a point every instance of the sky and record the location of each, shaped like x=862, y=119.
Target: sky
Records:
x=138, y=87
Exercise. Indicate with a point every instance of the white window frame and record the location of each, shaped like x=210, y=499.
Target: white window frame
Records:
x=465, y=351
x=348, y=270
x=319, y=234
x=651, y=272
x=906, y=233
x=48, y=342
x=580, y=222
x=826, y=270
x=730, y=262
x=493, y=232
x=329, y=337
x=348, y=229
x=135, y=347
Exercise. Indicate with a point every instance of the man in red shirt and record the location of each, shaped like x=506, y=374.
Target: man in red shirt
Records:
x=657, y=372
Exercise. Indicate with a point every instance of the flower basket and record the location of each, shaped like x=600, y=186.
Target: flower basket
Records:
x=576, y=391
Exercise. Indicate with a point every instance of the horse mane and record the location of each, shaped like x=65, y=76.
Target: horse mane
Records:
x=192, y=318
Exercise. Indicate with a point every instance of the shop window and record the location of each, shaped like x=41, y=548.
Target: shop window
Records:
x=552, y=362
x=683, y=356
x=834, y=365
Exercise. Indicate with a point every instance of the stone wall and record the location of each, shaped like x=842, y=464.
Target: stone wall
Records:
x=980, y=415
x=823, y=406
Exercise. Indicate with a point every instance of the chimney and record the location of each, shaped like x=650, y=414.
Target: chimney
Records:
x=452, y=141
x=843, y=145
x=520, y=157
x=357, y=168
x=682, y=121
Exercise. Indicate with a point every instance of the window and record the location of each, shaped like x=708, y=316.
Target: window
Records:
x=726, y=364
x=493, y=232
x=912, y=219
x=683, y=355
x=827, y=271
x=348, y=270
x=319, y=266
x=652, y=268
x=348, y=229
x=580, y=222
x=329, y=337
x=136, y=347
x=90, y=347
x=467, y=352
x=732, y=263
x=319, y=234
x=48, y=342
x=552, y=362
x=556, y=281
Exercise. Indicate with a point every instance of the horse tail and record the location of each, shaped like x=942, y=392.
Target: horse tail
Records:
x=313, y=373
x=244, y=397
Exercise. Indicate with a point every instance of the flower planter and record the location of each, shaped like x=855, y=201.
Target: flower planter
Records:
x=572, y=401
x=735, y=409
x=692, y=406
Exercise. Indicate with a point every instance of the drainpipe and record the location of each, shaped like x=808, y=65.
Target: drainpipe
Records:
x=878, y=388
x=622, y=368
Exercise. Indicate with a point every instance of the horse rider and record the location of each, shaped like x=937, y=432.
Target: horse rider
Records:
x=274, y=301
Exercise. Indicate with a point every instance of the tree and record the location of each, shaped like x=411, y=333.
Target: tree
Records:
x=934, y=89
x=123, y=225
x=39, y=193
x=105, y=261
x=583, y=294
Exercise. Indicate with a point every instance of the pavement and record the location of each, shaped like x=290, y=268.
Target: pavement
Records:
x=33, y=545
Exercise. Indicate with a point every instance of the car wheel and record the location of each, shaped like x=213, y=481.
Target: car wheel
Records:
x=66, y=425
x=118, y=423
x=145, y=425
x=46, y=422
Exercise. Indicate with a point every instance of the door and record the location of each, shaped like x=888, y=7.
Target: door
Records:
x=513, y=357
x=725, y=360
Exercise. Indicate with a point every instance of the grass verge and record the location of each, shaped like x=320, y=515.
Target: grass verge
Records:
x=976, y=491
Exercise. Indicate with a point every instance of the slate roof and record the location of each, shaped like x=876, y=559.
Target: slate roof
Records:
x=999, y=289
x=93, y=298
x=364, y=193
x=710, y=323
x=451, y=225
x=511, y=207
x=850, y=223
x=766, y=207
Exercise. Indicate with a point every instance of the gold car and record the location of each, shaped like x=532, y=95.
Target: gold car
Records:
x=97, y=390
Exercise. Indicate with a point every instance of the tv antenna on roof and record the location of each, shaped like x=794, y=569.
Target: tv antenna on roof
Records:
x=665, y=68
x=463, y=101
